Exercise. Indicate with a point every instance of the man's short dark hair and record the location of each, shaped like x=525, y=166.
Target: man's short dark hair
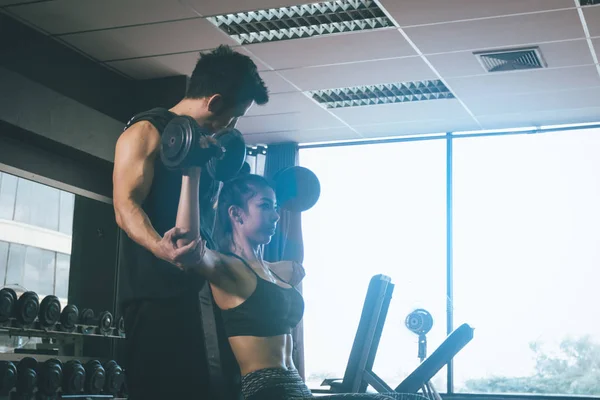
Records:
x=231, y=74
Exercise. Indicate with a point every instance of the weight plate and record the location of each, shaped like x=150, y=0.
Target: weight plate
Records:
x=73, y=377
x=8, y=300
x=27, y=308
x=69, y=317
x=49, y=312
x=8, y=377
x=50, y=377
x=27, y=376
x=121, y=325
x=176, y=142
x=114, y=377
x=95, y=377
x=233, y=159
x=86, y=317
x=105, y=322
x=297, y=188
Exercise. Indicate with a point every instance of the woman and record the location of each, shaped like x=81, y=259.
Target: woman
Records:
x=259, y=308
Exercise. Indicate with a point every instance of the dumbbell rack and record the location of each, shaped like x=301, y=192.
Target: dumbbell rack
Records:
x=57, y=337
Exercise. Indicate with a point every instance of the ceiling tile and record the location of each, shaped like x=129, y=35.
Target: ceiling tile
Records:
x=62, y=16
x=592, y=18
x=391, y=113
x=417, y=127
x=533, y=102
x=285, y=103
x=180, y=64
x=157, y=67
x=149, y=40
x=209, y=7
x=319, y=118
x=333, y=49
x=556, y=54
x=542, y=80
x=555, y=117
x=497, y=32
x=5, y=3
x=418, y=12
x=356, y=74
x=305, y=136
x=276, y=83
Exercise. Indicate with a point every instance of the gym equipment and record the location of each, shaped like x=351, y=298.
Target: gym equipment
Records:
x=8, y=377
x=95, y=377
x=49, y=312
x=297, y=188
x=105, y=320
x=50, y=376
x=420, y=322
x=26, y=376
x=114, y=378
x=73, y=377
x=8, y=300
x=180, y=148
x=69, y=318
x=27, y=308
x=121, y=325
x=359, y=373
x=86, y=316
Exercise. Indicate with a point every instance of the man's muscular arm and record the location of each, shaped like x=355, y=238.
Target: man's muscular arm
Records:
x=133, y=173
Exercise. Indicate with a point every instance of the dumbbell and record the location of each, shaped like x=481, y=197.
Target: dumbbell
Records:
x=26, y=377
x=95, y=377
x=49, y=312
x=73, y=377
x=121, y=325
x=114, y=378
x=103, y=321
x=49, y=377
x=8, y=303
x=180, y=148
x=8, y=377
x=297, y=188
x=27, y=308
x=69, y=318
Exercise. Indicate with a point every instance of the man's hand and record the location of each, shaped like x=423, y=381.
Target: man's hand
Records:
x=182, y=257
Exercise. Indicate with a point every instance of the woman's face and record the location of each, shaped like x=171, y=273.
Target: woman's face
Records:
x=260, y=217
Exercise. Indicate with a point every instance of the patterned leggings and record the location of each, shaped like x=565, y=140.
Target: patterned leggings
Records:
x=281, y=384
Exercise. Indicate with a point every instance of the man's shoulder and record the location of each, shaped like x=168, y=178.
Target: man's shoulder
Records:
x=157, y=118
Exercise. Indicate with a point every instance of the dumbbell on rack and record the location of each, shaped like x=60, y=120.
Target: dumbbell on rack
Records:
x=8, y=377
x=49, y=377
x=73, y=377
x=27, y=378
x=95, y=377
x=103, y=322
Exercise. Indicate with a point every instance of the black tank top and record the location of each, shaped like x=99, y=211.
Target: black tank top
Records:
x=143, y=275
x=271, y=310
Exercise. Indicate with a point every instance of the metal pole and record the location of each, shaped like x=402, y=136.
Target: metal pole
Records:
x=449, y=255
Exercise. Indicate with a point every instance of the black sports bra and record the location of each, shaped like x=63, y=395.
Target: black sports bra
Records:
x=271, y=310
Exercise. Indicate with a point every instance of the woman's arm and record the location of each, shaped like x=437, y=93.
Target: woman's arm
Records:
x=188, y=211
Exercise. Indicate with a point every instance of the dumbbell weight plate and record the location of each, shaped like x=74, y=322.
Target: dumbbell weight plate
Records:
x=69, y=317
x=176, y=142
x=26, y=376
x=49, y=312
x=95, y=377
x=297, y=188
x=50, y=377
x=8, y=300
x=105, y=321
x=114, y=377
x=121, y=326
x=73, y=377
x=8, y=377
x=227, y=167
x=86, y=317
x=28, y=306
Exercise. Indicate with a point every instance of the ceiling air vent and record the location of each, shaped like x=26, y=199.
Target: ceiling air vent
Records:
x=382, y=94
x=510, y=60
x=302, y=21
x=588, y=2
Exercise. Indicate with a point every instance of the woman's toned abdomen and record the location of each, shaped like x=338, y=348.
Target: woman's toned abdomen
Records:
x=254, y=353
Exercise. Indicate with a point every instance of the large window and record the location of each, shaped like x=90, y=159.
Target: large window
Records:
x=526, y=262
x=382, y=211
x=526, y=240
x=36, y=224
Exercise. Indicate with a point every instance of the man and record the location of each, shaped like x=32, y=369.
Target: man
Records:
x=165, y=347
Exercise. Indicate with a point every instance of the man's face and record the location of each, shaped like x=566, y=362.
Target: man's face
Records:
x=227, y=117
